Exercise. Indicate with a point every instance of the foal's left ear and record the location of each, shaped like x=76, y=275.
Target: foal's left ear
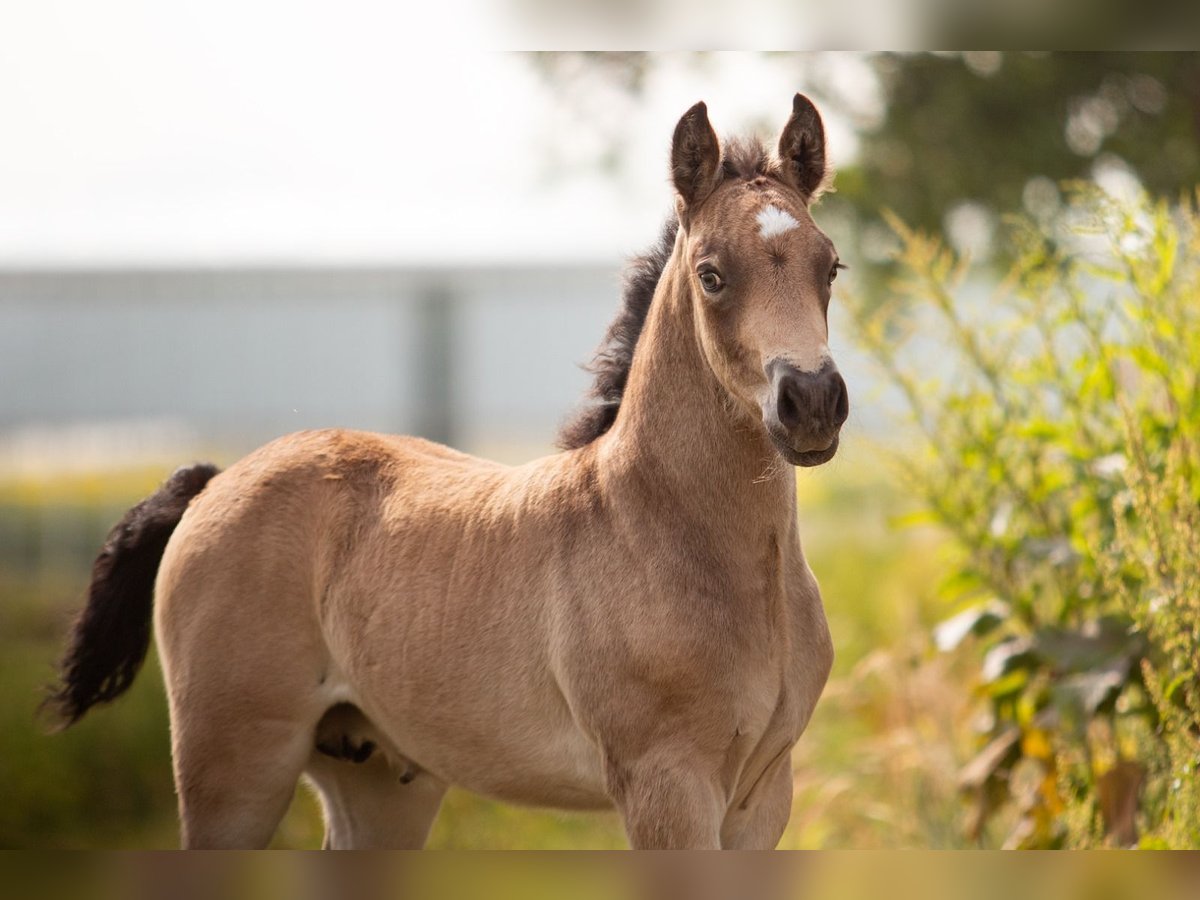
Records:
x=802, y=148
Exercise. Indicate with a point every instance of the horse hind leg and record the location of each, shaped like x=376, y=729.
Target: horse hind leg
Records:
x=236, y=774
x=242, y=725
x=371, y=796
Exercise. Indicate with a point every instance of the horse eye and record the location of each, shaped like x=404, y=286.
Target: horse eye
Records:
x=833, y=272
x=710, y=281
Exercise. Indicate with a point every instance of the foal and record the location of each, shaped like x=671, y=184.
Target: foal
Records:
x=630, y=623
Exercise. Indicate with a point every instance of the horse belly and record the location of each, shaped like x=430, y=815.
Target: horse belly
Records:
x=551, y=766
x=490, y=731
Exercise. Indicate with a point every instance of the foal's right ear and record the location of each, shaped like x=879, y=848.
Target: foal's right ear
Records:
x=695, y=157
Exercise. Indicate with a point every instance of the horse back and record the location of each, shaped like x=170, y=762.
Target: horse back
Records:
x=408, y=579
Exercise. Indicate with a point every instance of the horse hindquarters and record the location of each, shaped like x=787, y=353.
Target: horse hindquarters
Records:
x=245, y=671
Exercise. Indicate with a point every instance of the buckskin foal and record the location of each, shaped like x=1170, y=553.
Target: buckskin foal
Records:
x=629, y=623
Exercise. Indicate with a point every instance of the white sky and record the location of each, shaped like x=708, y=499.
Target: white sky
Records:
x=224, y=132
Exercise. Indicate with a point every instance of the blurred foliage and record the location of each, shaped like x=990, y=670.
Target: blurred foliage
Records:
x=1002, y=129
x=1059, y=417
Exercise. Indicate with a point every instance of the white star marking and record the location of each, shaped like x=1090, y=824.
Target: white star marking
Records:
x=774, y=221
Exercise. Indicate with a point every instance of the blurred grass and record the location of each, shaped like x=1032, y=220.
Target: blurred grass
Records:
x=876, y=767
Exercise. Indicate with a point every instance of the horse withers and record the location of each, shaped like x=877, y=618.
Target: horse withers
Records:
x=629, y=623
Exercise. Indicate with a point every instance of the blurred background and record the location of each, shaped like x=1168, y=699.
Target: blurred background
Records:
x=214, y=235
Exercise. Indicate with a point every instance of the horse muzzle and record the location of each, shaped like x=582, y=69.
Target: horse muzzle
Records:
x=804, y=411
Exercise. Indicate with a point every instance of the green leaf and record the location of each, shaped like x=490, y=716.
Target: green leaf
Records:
x=1176, y=683
x=1091, y=647
x=1040, y=430
x=915, y=518
x=1008, y=685
x=978, y=620
x=1090, y=691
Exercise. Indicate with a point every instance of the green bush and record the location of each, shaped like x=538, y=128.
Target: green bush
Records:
x=1057, y=418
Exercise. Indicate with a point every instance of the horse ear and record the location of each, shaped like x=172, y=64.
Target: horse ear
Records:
x=802, y=148
x=695, y=156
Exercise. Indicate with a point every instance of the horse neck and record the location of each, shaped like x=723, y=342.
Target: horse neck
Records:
x=680, y=438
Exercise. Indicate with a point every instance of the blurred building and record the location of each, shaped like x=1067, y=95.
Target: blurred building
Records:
x=482, y=358
x=115, y=367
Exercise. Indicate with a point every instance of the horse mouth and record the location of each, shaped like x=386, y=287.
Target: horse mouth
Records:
x=805, y=458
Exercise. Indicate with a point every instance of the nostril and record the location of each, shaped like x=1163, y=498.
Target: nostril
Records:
x=841, y=403
x=788, y=405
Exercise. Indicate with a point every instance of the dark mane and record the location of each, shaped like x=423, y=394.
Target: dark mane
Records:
x=615, y=355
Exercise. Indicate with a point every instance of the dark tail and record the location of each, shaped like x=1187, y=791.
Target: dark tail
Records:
x=112, y=634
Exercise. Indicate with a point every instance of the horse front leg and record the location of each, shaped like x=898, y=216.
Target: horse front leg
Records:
x=667, y=802
x=758, y=822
